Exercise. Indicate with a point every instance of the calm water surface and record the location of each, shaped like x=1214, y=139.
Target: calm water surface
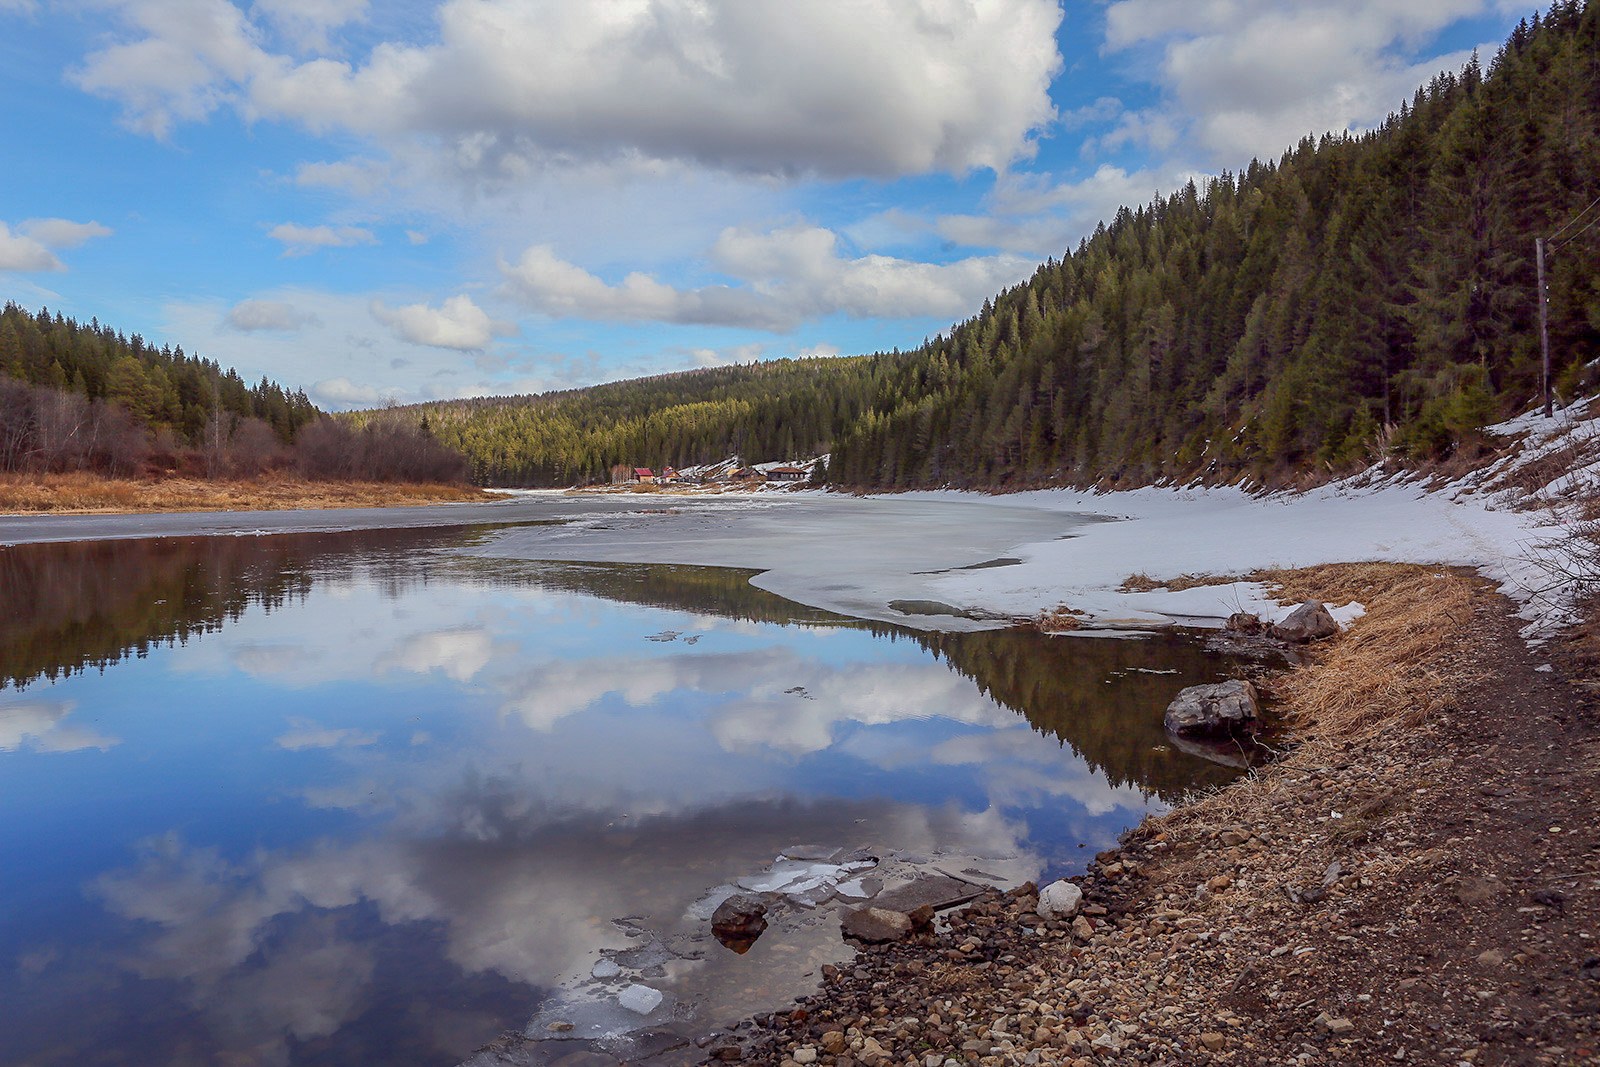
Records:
x=366, y=798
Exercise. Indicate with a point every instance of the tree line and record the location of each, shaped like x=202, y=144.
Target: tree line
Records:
x=1364, y=296
x=77, y=396
x=782, y=409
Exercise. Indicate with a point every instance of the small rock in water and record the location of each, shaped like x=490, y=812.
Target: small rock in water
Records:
x=1209, y=709
x=606, y=968
x=738, y=921
x=640, y=999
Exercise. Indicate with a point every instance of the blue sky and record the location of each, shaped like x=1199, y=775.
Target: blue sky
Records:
x=420, y=200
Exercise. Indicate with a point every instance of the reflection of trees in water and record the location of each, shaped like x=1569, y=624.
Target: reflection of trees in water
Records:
x=90, y=604
x=76, y=605
x=1101, y=697
x=1097, y=696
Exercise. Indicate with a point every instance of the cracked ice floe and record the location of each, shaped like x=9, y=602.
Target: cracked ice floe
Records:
x=573, y=1016
x=707, y=905
x=640, y=999
x=802, y=883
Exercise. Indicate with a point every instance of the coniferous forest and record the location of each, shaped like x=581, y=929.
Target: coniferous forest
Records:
x=1363, y=296
x=77, y=396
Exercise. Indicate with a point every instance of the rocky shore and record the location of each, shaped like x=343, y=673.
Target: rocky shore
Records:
x=1416, y=881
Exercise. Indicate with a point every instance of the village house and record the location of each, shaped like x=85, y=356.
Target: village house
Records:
x=622, y=474
x=786, y=474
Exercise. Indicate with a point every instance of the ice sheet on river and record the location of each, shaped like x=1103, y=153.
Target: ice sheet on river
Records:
x=876, y=558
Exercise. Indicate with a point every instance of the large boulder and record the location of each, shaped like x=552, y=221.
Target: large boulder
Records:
x=876, y=925
x=1305, y=623
x=1222, y=708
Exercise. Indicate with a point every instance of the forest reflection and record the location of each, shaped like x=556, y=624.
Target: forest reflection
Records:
x=70, y=607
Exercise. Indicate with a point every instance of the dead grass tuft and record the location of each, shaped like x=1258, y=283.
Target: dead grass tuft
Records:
x=89, y=493
x=1143, y=583
x=1058, y=620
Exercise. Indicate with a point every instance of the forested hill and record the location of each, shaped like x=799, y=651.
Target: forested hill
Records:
x=160, y=387
x=779, y=409
x=1364, y=295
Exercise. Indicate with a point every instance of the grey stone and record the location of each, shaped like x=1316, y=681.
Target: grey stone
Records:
x=1059, y=900
x=876, y=925
x=738, y=921
x=1333, y=1024
x=1213, y=709
x=941, y=891
x=1305, y=623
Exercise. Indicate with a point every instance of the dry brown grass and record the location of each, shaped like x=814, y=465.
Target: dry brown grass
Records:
x=88, y=494
x=1143, y=583
x=1386, y=671
x=1058, y=620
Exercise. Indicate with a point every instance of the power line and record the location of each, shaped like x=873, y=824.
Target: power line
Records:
x=1575, y=220
x=1540, y=246
x=1592, y=223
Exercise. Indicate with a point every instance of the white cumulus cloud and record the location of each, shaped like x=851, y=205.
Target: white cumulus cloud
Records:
x=63, y=233
x=837, y=87
x=790, y=275
x=21, y=253
x=1251, y=77
x=457, y=323
x=340, y=392
x=361, y=177
x=33, y=245
x=307, y=22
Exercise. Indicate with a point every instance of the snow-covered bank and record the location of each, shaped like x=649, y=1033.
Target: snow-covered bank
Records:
x=958, y=560
x=1167, y=533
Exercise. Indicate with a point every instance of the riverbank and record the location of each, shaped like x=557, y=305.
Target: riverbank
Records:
x=88, y=494
x=1417, y=880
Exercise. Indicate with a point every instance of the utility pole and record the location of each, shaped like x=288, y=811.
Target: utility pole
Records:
x=1544, y=322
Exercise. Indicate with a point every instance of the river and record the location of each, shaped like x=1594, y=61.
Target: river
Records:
x=376, y=795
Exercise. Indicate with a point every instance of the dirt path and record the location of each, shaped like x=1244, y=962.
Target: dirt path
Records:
x=1427, y=891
